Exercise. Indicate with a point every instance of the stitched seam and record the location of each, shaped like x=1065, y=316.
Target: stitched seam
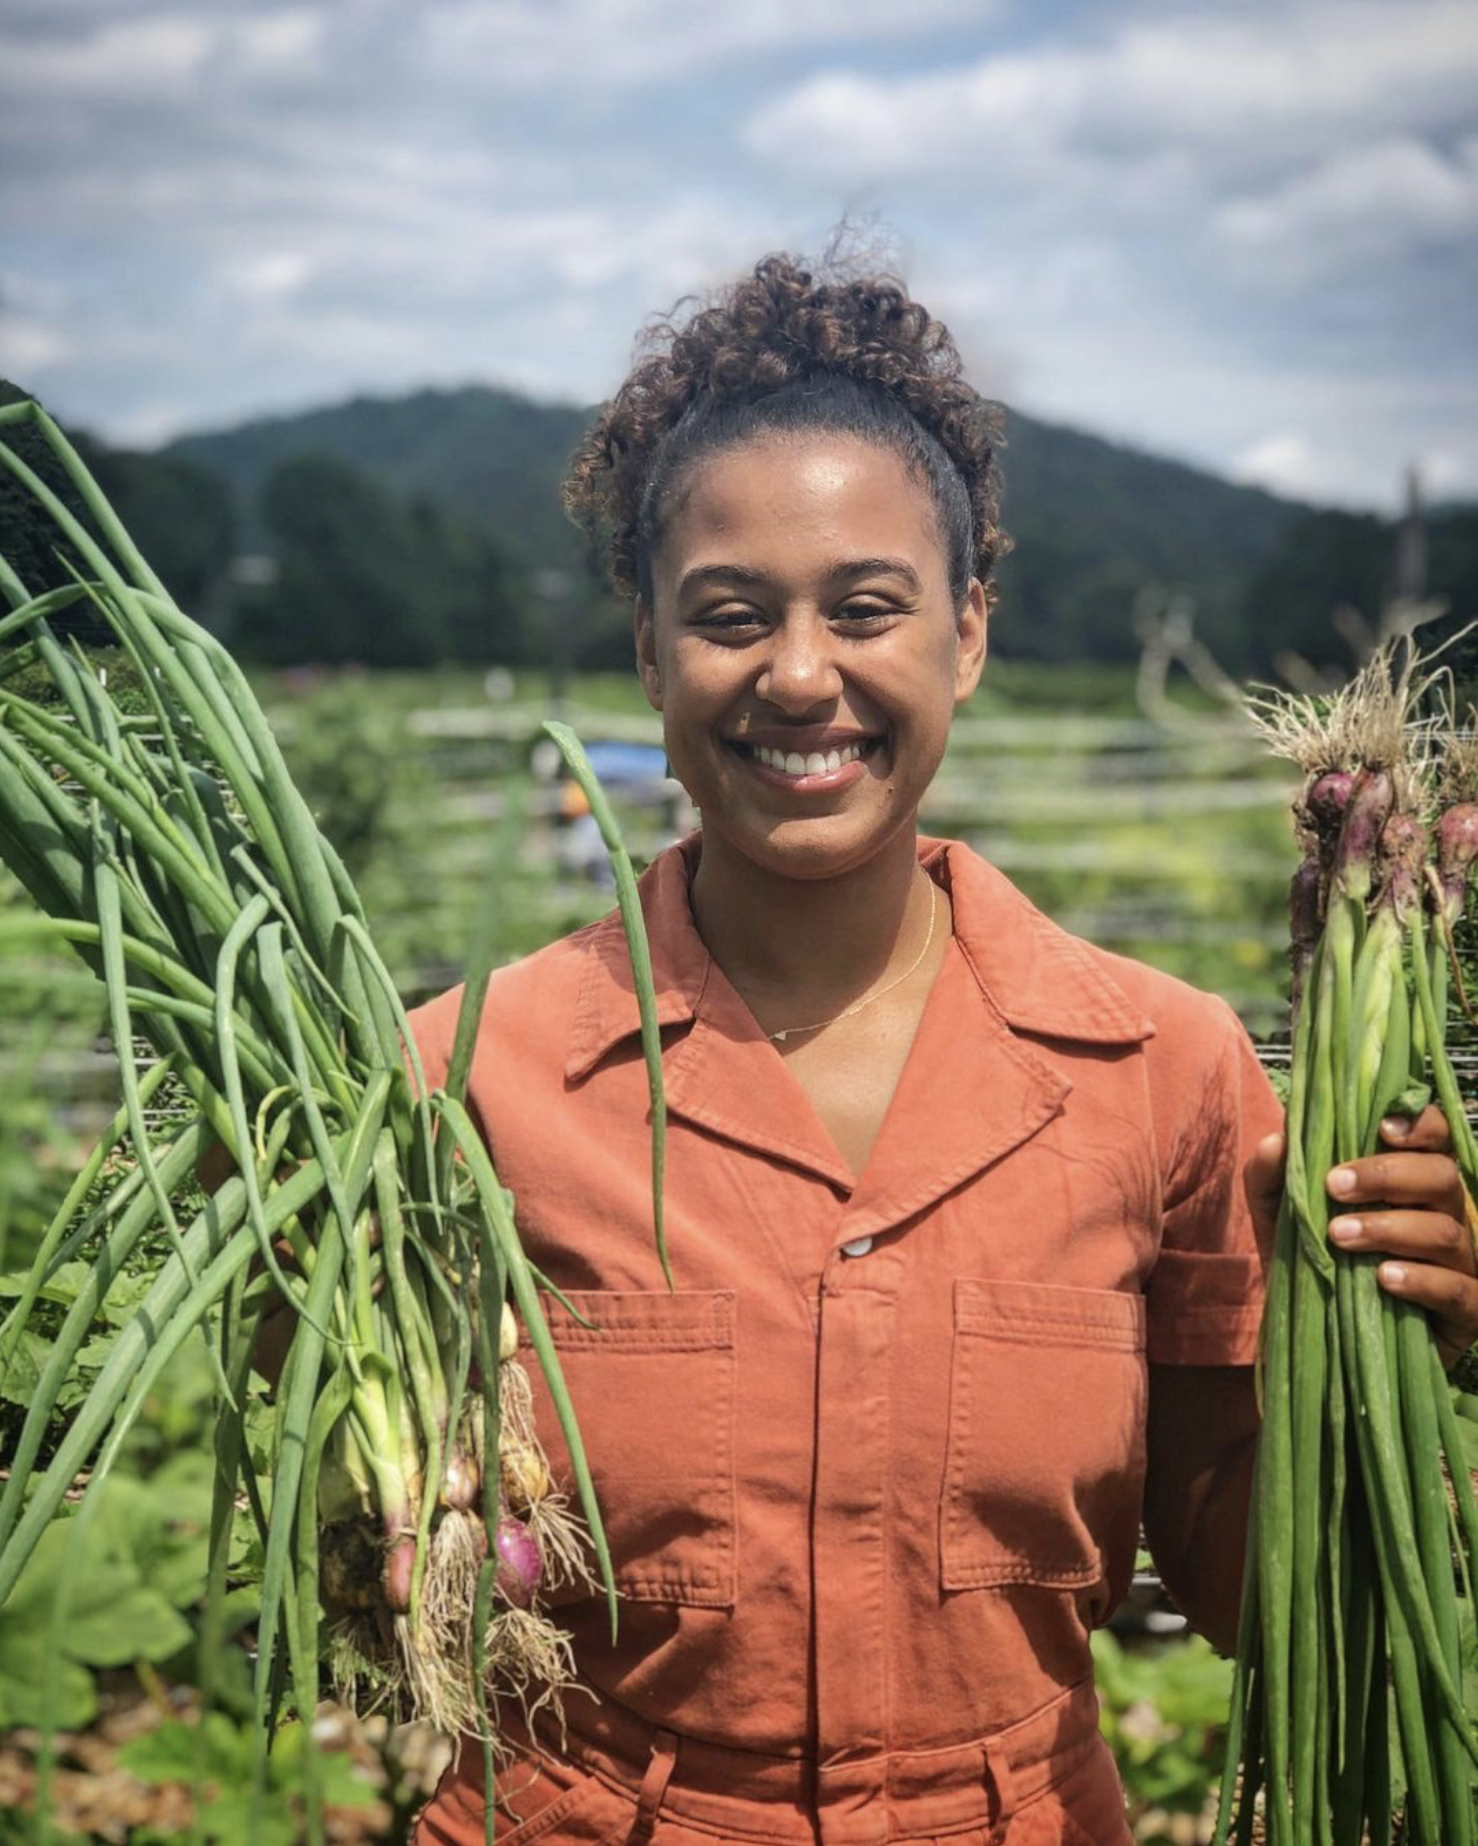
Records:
x=688, y=1591
x=640, y=1340
x=1062, y=1336
x=1045, y=1576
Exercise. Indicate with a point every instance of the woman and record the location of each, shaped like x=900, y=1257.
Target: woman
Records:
x=965, y=1275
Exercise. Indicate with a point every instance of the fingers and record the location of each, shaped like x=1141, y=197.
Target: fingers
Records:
x=1426, y=1133
x=1426, y=1237
x=1262, y=1180
x=1428, y=1182
x=1262, y=1177
x=1449, y=1298
x=1428, y=1245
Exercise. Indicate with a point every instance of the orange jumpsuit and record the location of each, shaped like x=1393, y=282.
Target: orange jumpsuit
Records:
x=873, y=1473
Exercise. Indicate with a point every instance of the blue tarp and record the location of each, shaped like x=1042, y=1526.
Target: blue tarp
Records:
x=615, y=763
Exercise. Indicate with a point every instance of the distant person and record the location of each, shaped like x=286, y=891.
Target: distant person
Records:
x=581, y=852
x=966, y=1275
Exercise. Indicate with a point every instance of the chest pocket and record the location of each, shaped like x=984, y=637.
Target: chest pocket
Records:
x=652, y=1384
x=1045, y=1460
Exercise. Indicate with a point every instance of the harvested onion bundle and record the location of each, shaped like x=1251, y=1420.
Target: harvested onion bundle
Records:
x=1358, y=1604
x=407, y=1495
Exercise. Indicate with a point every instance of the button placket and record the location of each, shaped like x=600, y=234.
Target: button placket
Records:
x=858, y=1321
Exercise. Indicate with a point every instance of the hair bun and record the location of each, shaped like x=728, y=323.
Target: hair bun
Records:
x=778, y=325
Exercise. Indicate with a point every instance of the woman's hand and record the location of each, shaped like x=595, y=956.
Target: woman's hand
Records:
x=1407, y=1205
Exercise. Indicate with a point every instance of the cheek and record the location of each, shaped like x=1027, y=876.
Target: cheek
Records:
x=924, y=685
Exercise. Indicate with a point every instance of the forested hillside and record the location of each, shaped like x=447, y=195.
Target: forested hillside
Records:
x=1094, y=526
x=406, y=530
x=488, y=456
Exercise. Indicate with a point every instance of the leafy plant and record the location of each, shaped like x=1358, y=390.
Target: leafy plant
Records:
x=105, y=1591
x=216, y=1757
x=1163, y=1710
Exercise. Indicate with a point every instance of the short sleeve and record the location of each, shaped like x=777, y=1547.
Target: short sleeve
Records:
x=1204, y=1295
x=433, y=1028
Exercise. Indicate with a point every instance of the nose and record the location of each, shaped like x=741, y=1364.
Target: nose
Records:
x=800, y=668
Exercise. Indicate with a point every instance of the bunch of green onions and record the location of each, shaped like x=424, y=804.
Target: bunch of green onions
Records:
x=1349, y=1721
x=407, y=1524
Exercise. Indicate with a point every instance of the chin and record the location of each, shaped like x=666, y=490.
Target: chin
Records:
x=810, y=852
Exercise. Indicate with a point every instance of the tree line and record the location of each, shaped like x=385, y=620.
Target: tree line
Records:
x=426, y=530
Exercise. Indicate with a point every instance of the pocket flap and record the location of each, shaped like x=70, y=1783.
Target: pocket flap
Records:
x=640, y=1320
x=1045, y=1459
x=652, y=1383
x=1035, y=1312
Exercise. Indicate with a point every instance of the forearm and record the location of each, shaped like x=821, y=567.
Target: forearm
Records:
x=1202, y=1443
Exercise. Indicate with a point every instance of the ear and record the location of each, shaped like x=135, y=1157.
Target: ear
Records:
x=970, y=631
x=647, y=672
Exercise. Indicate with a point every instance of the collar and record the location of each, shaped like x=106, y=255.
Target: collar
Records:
x=607, y=1009
x=1039, y=978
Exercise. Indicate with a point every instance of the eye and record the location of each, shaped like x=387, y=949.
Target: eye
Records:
x=726, y=621
x=865, y=614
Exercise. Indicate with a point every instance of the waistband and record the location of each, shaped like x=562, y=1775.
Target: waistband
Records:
x=974, y=1787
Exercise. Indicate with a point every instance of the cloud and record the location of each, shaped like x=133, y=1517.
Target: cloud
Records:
x=644, y=43
x=29, y=347
x=1198, y=229
x=1233, y=90
x=1294, y=463
x=1376, y=204
x=492, y=46
x=162, y=51
x=1285, y=462
x=166, y=51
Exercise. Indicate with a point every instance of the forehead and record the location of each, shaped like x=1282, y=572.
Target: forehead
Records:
x=799, y=498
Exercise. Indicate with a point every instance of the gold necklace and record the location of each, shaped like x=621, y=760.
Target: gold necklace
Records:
x=786, y=1032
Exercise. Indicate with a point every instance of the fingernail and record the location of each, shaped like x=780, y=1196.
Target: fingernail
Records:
x=1393, y=1275
x=1344, y=1230
x=1396, y=1127
x=1342, y=1180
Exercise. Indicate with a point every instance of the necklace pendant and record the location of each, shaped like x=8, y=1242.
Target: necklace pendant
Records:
x=779, y=1038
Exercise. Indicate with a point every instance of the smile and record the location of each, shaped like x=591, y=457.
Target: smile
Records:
x=815, y=763
x=838, y=765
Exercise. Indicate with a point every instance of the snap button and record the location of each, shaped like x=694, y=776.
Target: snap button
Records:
x=859, y=1246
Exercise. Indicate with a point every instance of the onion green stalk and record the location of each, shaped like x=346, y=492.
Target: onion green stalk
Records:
x=1350, y=1722
x=363, y=1209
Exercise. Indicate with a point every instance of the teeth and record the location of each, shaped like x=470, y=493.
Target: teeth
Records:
x=817, y=763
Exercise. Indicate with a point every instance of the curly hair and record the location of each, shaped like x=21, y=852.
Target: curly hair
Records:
x=788, y=349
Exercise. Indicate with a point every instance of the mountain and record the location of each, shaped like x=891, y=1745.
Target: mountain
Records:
x=1092, y=522
x=489, y=457
x=413, y=528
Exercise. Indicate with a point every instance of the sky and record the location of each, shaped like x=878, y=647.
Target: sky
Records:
x=1244, y=234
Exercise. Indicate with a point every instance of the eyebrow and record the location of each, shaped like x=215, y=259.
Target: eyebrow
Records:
x=705, y=574
x=877, y=567
x=849, y=569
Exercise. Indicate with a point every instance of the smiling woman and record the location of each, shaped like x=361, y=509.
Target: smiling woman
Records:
x=966, y=1279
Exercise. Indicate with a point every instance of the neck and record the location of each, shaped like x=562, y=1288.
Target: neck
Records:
x=794, y=943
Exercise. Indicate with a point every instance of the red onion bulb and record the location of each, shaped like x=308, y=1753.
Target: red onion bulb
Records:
x=520, y=1563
